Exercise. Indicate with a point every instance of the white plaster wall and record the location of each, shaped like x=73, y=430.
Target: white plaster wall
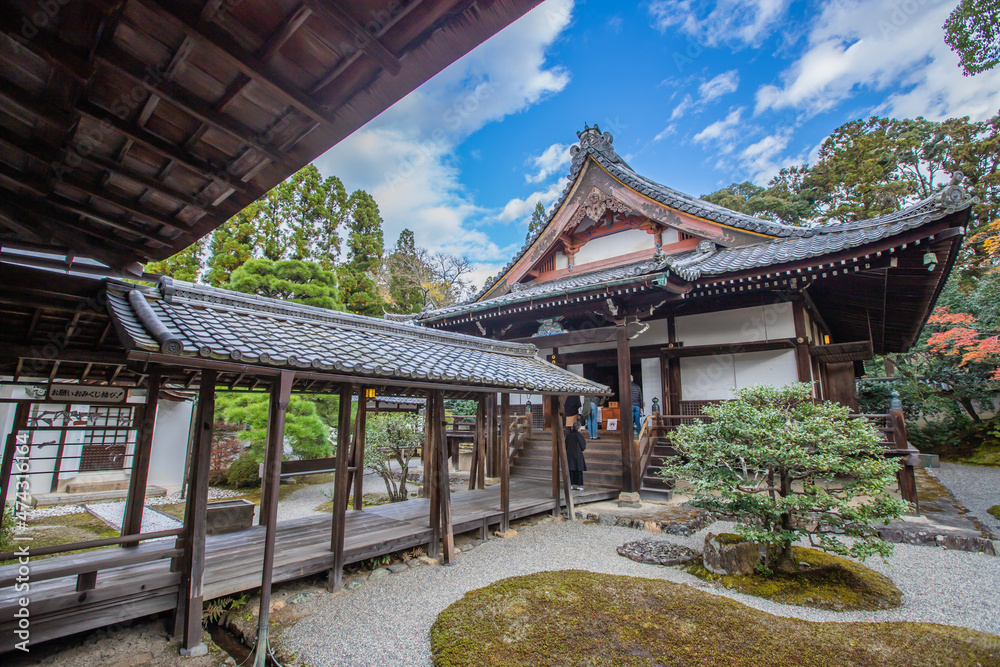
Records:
x=562, y=261
x=656, y=334
x=739, y=325
x=171, y=433
x=670, y=235
x=652, y=384
x=614, y=245
x=714, y=378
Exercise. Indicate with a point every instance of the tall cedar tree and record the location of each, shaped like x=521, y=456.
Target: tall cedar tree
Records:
x=232, y=245
x=973, y=32
x=364, y=254
x=537, y=220
x=406, y=270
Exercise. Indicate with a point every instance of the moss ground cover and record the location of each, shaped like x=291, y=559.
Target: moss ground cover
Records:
x=824, y=582
x=581, y=618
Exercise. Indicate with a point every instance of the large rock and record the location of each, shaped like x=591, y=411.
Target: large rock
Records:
x=727, y=553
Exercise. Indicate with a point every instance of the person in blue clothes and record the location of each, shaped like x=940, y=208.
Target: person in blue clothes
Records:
x=589, y=413
x=636, y=405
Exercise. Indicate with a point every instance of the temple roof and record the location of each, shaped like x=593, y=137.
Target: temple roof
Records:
x=780, y=244
x=183, y=320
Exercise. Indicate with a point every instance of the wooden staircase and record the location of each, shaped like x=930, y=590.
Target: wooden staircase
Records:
x=653, y=486
x=533, y=459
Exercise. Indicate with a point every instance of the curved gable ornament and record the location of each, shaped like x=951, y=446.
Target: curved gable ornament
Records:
x=596, y=205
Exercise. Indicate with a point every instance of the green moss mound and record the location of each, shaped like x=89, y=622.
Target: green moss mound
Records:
x=824, y=582
x=994, y=511
x=581, y=618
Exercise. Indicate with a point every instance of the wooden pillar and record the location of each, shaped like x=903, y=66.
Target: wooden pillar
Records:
x=625, y=406
x=564, y=468
x=338, y=528
x=358, y=454
x=477, y=471
x=492, y=450
x=269, y=465
x=136, y=499
x=443, y=489
x=281, y=394
x=556, y=412
x=673, y=397
x=195, y=510
x=802, y=359
x=426, y=452
x=433, y=427
x=21, y=414
x=505, y=461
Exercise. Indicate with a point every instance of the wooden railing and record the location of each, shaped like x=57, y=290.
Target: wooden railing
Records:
x=653, y=428
x=520, y=431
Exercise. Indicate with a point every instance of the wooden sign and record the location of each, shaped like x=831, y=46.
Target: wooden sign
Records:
x=77, y=393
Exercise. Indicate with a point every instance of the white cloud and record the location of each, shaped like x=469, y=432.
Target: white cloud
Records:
x=739, y=22
x=520, y=209
x=764, y=159
x=880, y=45
x=665, y=132
x=552, y=160
x=682, y=108
x=720, y=85
x=405, y=157
x=723, y=132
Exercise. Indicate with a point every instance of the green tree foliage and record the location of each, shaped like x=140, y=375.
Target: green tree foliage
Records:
x=406, y=276
x=289, y=280
x=537, y=220
x=781, y=201
x=232, y=245
x=185, y=265
x=393, y=437
x=973, y=32
x=364, y=256
x=337, y=213
x=305, y=432
x=789, y=468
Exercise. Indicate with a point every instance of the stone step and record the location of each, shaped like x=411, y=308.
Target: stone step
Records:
x=661, y=495
x=589, y=477
x=546, y=462
x=51, y=499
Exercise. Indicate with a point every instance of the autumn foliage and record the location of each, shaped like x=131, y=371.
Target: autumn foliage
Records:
x=963, y=338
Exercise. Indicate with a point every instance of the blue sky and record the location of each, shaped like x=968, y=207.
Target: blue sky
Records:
x=697, y=95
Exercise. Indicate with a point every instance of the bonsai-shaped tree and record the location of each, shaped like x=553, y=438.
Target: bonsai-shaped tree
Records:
x=390, y=437
x=787, y=467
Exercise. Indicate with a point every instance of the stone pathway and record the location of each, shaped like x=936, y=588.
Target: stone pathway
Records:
x=976, y=487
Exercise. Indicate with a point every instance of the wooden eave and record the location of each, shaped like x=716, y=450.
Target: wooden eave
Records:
x=131, y=128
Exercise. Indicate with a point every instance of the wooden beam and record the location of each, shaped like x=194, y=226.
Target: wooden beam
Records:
x=148, y=182
x=580, y=337
x=136, y=499
x=21, y=414
x=505, y=461
x=222, y=46
x=371, y=45
x=443, y=487
x=281, y=394
x=625, y=405
x=196, y=509
x=336, y=576
x=435, y=423
x=358, y=454
x=802, y=358
x=734, y=348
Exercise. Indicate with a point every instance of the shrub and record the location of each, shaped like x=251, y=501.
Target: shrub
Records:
x=7, y=529
x=393, y=437
x=243, y=472
x=787, y=467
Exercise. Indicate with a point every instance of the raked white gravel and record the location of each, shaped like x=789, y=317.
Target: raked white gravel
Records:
x=386, y=623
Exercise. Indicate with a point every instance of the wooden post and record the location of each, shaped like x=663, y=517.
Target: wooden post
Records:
x=481, y=432
x=802, y=359
x=358, y=455
x=443, y=491
x=20, y=421
x=492, y=451
x=265, y=479
x=435, y=424
x=196, y=508
x=556, y=413
x=564, y=467
x=338, y=529
x=136, y=500
x=426, y=452
x=505, y=461
x=672, y=401
x=625, y=407
x=281, y=394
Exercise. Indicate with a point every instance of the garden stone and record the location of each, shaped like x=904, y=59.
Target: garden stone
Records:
x=378, y=574
x=415, y=562
x=729, y=554
x=398, y=567
x=353, y=583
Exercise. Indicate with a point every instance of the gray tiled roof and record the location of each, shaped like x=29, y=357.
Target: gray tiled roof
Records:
x=709, y=260
x=188, y=320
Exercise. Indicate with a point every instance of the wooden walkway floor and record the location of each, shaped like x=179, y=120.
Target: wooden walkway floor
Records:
x=233, y=560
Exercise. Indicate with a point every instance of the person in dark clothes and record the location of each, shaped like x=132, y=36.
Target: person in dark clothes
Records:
x=575, y=445
x=572, y=409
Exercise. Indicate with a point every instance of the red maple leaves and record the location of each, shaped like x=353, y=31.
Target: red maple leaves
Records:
x=963, y=339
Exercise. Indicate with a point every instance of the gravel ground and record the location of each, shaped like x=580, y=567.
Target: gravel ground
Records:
x=386, y=623
x=114, y=513
x=977, y=487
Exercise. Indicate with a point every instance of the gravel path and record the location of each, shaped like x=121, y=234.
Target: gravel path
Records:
x=386, y=623
x=977, y=487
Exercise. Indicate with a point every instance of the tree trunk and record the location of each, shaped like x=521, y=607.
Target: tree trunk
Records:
x=784, y=561
x=967, y=404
